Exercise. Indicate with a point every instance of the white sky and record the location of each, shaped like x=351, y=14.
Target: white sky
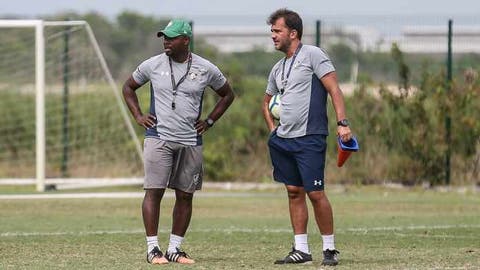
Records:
x=175, y=8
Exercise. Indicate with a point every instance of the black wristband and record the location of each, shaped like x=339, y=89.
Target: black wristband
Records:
x=343, y=123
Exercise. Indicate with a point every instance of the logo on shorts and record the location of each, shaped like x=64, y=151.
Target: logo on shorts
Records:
x=317, y=182
x=196, y=178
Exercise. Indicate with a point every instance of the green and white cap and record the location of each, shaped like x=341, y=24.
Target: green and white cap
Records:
x=175, y=28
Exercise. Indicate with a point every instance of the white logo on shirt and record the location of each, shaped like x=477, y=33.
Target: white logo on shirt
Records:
x=192, y=76
x=164, y=73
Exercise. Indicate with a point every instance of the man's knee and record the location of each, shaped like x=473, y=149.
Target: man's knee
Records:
x=317, y=196
x=183, y=197
x=154, y=194
x=295, y=193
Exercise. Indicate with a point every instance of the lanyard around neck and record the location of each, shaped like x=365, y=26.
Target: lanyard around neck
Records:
x=285, y=80
x=175, y=85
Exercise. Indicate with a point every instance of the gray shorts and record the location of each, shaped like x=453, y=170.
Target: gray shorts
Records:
x=173, y=165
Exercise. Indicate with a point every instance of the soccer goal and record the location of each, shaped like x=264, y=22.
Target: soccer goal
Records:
x=63, y=121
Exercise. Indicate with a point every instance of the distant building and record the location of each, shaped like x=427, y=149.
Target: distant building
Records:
x=433, y=39
x=411, y=39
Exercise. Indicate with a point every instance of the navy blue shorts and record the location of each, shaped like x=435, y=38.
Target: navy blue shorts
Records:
x=299, y=161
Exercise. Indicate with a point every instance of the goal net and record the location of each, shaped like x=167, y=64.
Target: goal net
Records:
x=62, y=117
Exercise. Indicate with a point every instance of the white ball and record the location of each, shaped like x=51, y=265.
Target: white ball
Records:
x=274, y=106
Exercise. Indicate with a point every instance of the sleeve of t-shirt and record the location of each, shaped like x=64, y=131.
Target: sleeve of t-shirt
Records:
x=272, y=88
x=321, y=63
x=216, y=78
x=141, y=74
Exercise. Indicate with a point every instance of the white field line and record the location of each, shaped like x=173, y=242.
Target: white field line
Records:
x=247, y=230
x=123, y=195
x=99, y=195
x=413, y=227
x=441, y=236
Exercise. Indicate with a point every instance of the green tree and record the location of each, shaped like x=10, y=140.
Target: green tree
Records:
x=343, y=57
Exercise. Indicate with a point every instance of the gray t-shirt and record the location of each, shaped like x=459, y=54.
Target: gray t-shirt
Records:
x=177, y=125
x=304, y=98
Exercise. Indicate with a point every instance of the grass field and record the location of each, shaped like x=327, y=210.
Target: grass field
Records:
x=376, y=228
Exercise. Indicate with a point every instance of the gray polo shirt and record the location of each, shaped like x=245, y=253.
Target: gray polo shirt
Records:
x=177, y=125
x=304, y=98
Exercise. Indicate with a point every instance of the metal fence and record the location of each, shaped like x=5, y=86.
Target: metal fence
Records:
x=361, y=49
x=422, y=40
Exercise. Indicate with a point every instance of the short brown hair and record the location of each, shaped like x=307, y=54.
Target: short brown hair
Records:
x=292, y=20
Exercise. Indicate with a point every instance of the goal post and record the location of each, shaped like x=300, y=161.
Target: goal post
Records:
x=83, y=132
